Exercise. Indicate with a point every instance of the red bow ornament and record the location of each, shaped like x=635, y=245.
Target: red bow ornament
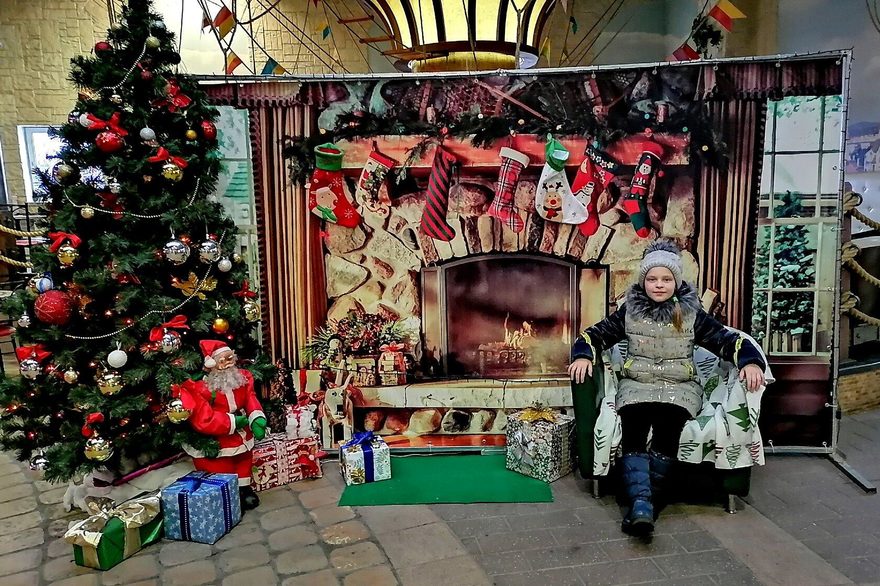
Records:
x=162, y=154
x=91, y=419
x=174, y=99
x=38, y=352
x=395, y=347
x=178, y=322
x=245, y=291
x=110, y=202
x=112, y=124
x=59, y=238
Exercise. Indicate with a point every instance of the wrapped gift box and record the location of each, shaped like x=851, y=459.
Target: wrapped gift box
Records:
x=280, y=460
x=392, y=365
x=364, y=370
x=365, y=458
x=111, y=534
x=539, y=443
x=300, y=421
x=201, y=506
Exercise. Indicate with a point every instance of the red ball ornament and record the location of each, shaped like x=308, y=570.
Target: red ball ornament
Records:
x=109, y=142
x=103, y=47
x=209, y=131
x=146, y=75
x=54, y=307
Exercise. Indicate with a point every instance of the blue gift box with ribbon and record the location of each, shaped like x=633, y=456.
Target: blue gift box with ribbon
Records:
x=201, y=506
x=365, y=458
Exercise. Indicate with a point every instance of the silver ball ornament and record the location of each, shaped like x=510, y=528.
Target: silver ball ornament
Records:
x=38, y=462
x=71, y=376
x=117, y=358
x=170, y=342
x=176, y=252
x=30, y=368
x=114, y=186
x=44, y=283
x=225, y=265
x=24, y=321
x=84, y=120
x=209, y=251
x=147, y=134
x=116, y=99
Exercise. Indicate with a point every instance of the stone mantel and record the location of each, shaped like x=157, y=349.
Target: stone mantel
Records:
x=485, y=393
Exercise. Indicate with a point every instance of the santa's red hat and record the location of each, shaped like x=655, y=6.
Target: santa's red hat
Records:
x=212, y=349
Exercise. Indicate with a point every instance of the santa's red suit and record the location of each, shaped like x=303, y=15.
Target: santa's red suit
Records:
x=213, y=414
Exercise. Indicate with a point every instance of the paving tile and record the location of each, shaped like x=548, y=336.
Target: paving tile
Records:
x=418, y=545
x=191, y=574
x=263, y=576
x=330, y=515
x=23, y=540
x=610, y=573
x=276, y=498
x=588, y=534
x=353, y=557
x=53, y=496
x=17, y=524
x=320, y=497
x=302, y=559
x=174, y=553
x=314, y=483
x=743, y=578
x=292, y=537
x=131, y=570
x=470, y=545
x=15, y=492
x=480, y=527
x=563, y=556
x=20, y=561
x=841, y=546
x=698, y=564
x=62, y=568
x=59, y=547
x=283, y=517
x=396, y=517
x=461, y=571
x=557, y=577
x=18, y=506
x=857, y=569
x=82, y=580
x=27, y=579
x=694, y=541
x=241, y=535
x=631, y=547
x=12, y=480
x=322, y=578
x=509, y=562
x=518, y=541
x=247, y=556
x=345, y=533
x=546, y=520
x=375, y=576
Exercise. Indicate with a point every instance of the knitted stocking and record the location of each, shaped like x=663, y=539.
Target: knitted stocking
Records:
x=594, y=175
x=636, y=203
x=437, y=202
x=512, y=163
x=372, y=175
x=327, y=197
x=554, y=200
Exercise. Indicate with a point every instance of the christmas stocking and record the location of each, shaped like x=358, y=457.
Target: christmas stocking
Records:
x=437, y=199
x=372, y=175
x=327, y=197
x=593, y=176
x=636, y=203
x=554, y=200
x=512, y=163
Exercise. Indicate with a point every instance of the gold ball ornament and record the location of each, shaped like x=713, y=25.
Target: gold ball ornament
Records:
x=109, y=383
x=251, y=310
x=237, y=258
x=67, y=255
x=152, y=42
x=176, y=412
x=87, y=212
x=220, y=326
x=191, y=134
x=172, y=172
x=98, y=449
x=71, y=376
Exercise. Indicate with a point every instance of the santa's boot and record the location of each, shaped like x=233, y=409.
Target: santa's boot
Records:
x=637, y=483
x=661, y=468
x=249, y=498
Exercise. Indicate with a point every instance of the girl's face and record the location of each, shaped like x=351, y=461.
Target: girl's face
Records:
x=660, y=284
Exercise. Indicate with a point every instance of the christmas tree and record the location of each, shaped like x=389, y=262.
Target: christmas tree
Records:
x=139, y=267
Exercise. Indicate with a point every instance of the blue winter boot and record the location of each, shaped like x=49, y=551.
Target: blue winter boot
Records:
x=661, y=467
x=637, y=483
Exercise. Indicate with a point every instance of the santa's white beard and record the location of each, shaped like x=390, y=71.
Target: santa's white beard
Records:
x=226, y=380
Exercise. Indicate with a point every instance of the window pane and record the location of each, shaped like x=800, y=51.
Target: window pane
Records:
x=798, y=173
x=825, y=324
x=794, y=256
x=791, y=322
x=830, y=173
x=833, y=115
x=768, y=127
x=793, y=205
x=762, y=259
x=797, y=123
x=759, y=317
x=827, y=258
x=767, y=174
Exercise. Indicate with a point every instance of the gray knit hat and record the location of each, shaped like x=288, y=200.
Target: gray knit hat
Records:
x=661, y=253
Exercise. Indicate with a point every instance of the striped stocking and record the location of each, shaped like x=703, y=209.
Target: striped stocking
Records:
x=437, y=199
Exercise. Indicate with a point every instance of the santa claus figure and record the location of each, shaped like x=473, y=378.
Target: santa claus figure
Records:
x=224, y=405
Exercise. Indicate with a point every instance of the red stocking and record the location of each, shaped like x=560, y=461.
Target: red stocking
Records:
x=437, y=199
x=512, y=163
x=594, y=175
x=327, y=197
x=636, y=202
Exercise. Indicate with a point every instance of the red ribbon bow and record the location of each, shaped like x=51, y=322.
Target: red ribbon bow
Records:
x=112, y=124
x=110, y=202
x=177, y=322
x=37, y=351
x=175, y=99
x=59, y=238
x=162, y=154
x=91, y=419
x=245, y=290
x=395, y=347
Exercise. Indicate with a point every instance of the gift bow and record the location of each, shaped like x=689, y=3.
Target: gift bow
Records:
x=175, y=99
x=38, y=352
x=177, y=322
x=162, y=154
x=364, y=440
x=134, y=514
x=112, y=124
x=59, y=238
x=533, y=414
x=245, y=290
x=395, y=347
x=91, y=419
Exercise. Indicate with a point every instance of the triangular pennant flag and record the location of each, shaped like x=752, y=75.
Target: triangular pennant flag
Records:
x=323, y=29
x=685, y=53
x=564, y=6
x=545, y=48
x=272, y=68
x=724, y=13
x=206, y=20
x=574, y=24
x=232, y=61
x=224, y=22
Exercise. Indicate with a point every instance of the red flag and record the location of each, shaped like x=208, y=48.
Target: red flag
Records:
x=725, y=13
x=685, y=53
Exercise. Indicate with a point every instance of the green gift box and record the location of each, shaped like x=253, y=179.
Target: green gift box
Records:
x=111, y=534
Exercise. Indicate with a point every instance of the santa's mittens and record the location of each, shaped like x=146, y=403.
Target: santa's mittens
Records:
x=372, y=176
x=636, y=202
x=512, y=164
x=437, y=197
x=554, y=200
x=327, y=197
x=594, y=175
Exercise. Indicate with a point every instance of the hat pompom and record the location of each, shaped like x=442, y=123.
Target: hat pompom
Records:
x=210, y=362
x=665, y=245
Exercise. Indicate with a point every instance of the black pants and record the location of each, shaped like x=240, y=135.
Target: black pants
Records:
x=667, y=421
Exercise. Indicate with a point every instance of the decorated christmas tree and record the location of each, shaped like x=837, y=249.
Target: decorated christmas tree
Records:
x=140, y=265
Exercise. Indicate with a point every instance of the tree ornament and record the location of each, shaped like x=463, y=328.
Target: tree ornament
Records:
x=109, y=382
x=38, y=462
x=109, y=142
x=65, y=173
x=67, y=254
x=147, y=134
x=24, y=321
x=176, y=412
x=103, y=47
x=172, y=172
x=118, y=357
x=30, y=368
x=116, y=27
x=30, y=360
x=73, y=117
x=209, y=251
x=191, y=134
x=146, y=75
x=166, y=336
x=116, y=99
x=209, y=131
x=87, y=212
x=53, y=307
x=225, y=265
x=113, y=186
x=85, y=121
x=98, y=449
x=251, y=310
x=152, y=42
x=176, y=252
x=71, y=376
x=237, y=258
x=170, y=342
x=220, y=325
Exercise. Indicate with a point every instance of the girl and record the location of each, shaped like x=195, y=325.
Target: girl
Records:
x=658, y=390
